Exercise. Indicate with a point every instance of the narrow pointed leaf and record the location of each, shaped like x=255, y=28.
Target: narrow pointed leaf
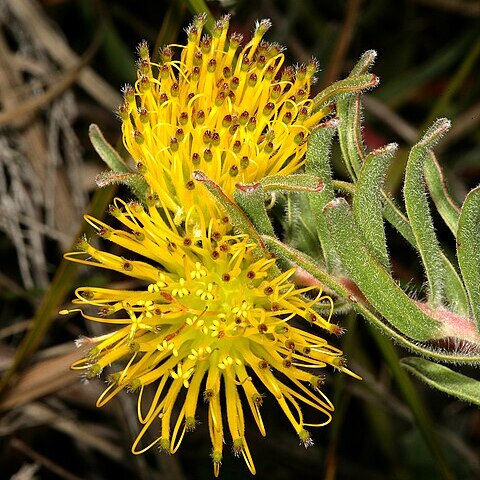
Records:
x=468, y=249
x=106, y=152
x=304, y=261
x=364, y=64
x=299, y=228
x=349, y=110
x=438, y=190
x=398, y=220
x=349, y=85
x=443, y=379
x=346, y=135
x=455, y=292
x=368, y=201
x=317, y=162
x=351, y=135
x=372, y=279
x=134, y=181
x=416, y=204
x=292, y=183
x=251, y=199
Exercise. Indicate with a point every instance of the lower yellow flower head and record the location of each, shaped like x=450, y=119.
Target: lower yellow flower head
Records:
x=233, y=112
x=212, y=315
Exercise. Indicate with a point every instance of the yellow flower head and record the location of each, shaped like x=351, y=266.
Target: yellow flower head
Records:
x=232, y=112
x=212, y=316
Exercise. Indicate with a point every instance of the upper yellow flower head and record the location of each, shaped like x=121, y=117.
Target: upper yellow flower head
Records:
x=232, y=112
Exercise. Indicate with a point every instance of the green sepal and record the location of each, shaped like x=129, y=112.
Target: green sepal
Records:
x=468, y=250
x=443, y=379
x=418, y=212
x=106, y=152
x=317, y=162
x=446, y=207
x=368, y=201
x=372, y=279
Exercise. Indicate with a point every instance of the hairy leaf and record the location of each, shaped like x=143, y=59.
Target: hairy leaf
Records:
x=444, y=379
x=438, y=190
x=468, y=249
x=419, y=214
x=368, y=201
x=372, y=279
x=106, y=152
x=318, y=163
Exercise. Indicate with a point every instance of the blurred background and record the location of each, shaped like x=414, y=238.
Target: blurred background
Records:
x=62, y=64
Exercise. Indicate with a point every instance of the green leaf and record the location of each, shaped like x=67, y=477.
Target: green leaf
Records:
x=443, y=379
x=349, y=110
x=317, y=162
x=292, y=183
x=251, y=197
x=349, y=85
x=294, y=257
x=454, y=290
x=364, y=64
x=352, y=154
x=298, y=224
x=120, y=172
x=398, y=220
x=372, y=279
x=418, y=212
x=237, y=217
x=468, y=249
x=135, y=181
x=438, y=190
x=368, y=201
x=106, y=152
